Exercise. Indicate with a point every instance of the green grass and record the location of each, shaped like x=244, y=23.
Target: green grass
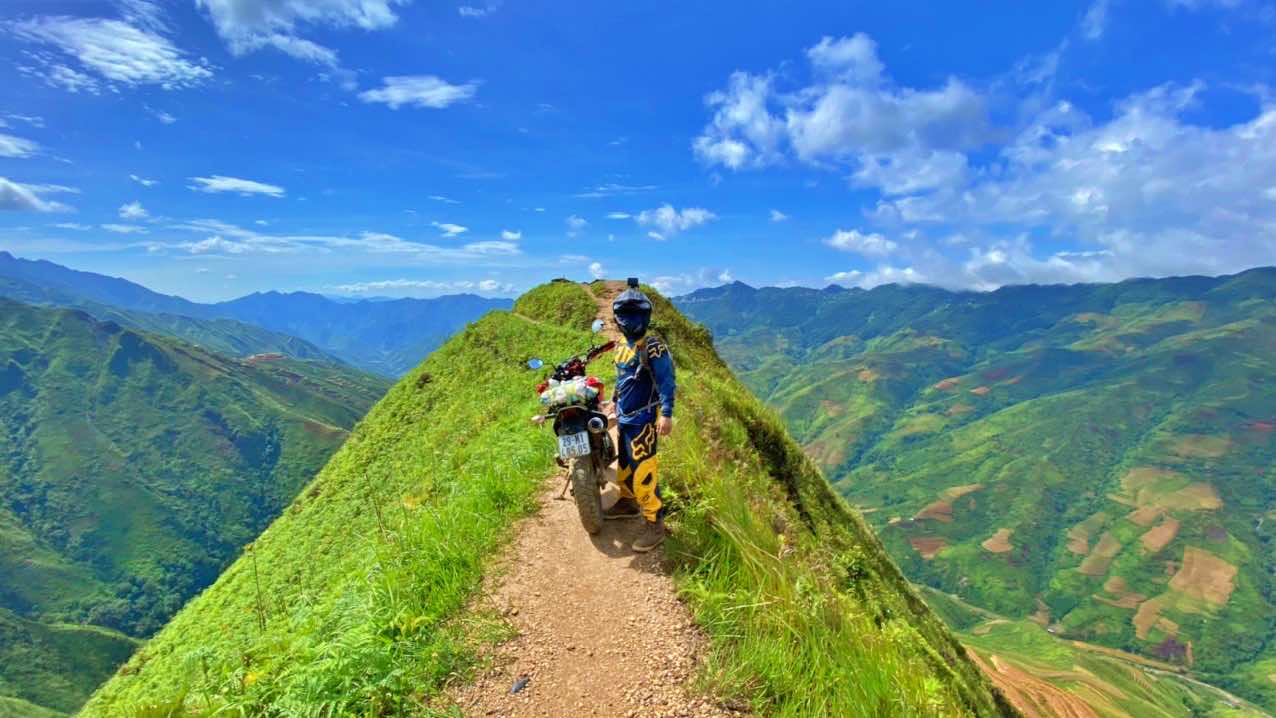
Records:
x=354, y=602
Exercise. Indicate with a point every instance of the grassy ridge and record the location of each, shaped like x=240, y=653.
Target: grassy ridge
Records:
x=352, y=602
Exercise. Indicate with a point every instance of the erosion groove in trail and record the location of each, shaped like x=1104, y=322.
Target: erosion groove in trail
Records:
x=367, y=595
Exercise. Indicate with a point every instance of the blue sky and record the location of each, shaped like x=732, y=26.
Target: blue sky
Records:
x=212, y=148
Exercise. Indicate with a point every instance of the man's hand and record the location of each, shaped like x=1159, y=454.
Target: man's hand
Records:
x=664, y=425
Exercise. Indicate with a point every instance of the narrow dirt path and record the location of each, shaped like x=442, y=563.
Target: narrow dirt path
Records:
x=600, y=630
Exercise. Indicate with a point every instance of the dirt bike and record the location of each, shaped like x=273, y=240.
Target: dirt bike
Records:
x=585, y=449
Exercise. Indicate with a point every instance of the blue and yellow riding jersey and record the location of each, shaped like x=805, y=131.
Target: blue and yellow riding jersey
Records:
x=643, y=386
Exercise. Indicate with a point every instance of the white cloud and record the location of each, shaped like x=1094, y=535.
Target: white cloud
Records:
x=26, y=197
x=221, y=183
x=850, y=115
x=143, y=181
x=124, y=228
x=511, y=235
x=869, y=245
x=449, y=229
x=538, y=209
x=675, y=284
x=884, y=274
x=17, y=147
x=249, y=25
x=612, y=189
x=424, y=287
x=1095, y=20
x=133, y=210
x=618, y=215
x=474, y=11
x=576, y=225
x=115, y=50
x=445, y=200
x=164, y=117
x=670, y=221
x=419, y=91
x=656, y=236
x=493, y=248
x=73, y=225
x=778, y=216
x=597, y=271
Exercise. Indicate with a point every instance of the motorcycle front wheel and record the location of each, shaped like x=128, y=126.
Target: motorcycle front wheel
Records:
x=585, y=491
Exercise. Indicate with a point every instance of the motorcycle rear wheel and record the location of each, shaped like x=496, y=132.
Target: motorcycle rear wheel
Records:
x=585, y=491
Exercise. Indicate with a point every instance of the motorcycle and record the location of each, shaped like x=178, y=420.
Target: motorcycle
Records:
x=585, y=448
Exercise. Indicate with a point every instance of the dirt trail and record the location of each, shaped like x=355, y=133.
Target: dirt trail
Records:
x=600, y=629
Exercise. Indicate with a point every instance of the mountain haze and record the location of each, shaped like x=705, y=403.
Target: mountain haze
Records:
x=386, y=337
x=133, y=467
x=1099, y=460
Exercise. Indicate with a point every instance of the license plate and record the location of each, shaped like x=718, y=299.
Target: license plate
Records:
x=570, y=445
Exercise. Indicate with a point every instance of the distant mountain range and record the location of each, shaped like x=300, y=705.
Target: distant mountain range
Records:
x=133, y=467
x=1097, y=459
x=383, y=336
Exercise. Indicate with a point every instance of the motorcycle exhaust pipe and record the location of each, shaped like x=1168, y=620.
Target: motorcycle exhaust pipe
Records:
x=597, y=425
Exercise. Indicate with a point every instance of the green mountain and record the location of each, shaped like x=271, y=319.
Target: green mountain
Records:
x=355, y=601
x=1099, y=459
x=133, y=468
x=224, y=336
x=385, y=337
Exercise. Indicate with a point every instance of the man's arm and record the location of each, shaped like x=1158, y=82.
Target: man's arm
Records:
x=663, y=372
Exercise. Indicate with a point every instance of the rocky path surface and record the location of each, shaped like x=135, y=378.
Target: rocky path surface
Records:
x=600, y=630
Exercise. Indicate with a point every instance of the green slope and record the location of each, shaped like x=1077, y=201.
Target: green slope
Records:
x=354, y=601
x=132, y=468
x=1099, y=457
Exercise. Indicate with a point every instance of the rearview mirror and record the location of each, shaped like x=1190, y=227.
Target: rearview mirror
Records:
x=597, y=326
x=535, y=363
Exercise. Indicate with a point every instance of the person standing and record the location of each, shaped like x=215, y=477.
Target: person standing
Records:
x=643, y=397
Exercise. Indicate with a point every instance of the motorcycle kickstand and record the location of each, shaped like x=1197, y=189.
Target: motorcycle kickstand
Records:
x=562, y=495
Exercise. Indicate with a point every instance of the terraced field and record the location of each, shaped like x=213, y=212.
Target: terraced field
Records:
x=1099, y=460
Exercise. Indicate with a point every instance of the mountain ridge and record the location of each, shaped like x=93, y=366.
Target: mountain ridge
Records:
x=385, y=337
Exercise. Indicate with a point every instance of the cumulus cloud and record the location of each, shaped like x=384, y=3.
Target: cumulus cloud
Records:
x=143, y=181
x=20, y=197
x=853, y=240
x=851, y=114
x=221, y=183
x=426, y=91
x=576, y=225
x=510, y=235
x=668, y=221
x=493, y=248
x=133, y=210
x=597, y=271
x=113, y=50
x=449, y=229
x=778, y=216
x=478, y=11
x=17, y=147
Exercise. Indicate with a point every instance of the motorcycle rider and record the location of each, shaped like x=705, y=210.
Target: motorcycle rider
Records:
x=643, y=398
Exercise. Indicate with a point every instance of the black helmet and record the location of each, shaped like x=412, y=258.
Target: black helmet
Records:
x=632, y=310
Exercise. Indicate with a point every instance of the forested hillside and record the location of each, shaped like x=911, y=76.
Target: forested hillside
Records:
x=1097, y=459
x=133, y=467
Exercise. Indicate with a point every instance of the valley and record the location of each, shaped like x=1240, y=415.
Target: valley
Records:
x=133, y=468
x=1097, y=459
